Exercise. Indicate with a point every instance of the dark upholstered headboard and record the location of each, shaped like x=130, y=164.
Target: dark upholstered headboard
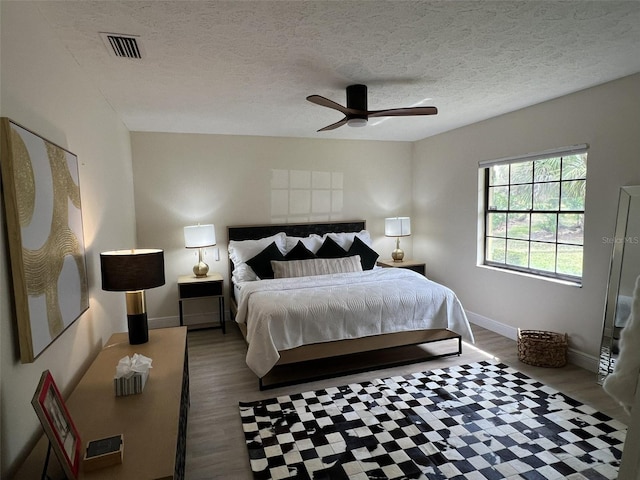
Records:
x=255, y=232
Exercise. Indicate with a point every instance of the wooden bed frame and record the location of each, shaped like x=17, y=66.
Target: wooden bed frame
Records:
x=316, y=351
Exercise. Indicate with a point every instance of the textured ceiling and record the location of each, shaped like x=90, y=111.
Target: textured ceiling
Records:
x=246, y=67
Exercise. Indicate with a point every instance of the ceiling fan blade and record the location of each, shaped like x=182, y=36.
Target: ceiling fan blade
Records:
x=333, y=126
x=401, y=112
x=325, y=102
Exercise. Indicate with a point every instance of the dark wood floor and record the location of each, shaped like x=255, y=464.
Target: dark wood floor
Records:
x=220, y=379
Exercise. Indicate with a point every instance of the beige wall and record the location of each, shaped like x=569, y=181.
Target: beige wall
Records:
x=445, y=207
x=183, y=179
x=42, y=89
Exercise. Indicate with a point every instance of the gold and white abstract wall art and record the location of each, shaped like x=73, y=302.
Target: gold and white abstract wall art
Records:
x=43, y=215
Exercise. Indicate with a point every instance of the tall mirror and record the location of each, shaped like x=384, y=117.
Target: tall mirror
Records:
x=625, y=268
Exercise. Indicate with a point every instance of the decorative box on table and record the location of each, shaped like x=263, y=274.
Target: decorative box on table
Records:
x=131, y=375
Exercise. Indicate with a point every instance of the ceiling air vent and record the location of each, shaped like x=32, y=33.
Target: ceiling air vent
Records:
x=123, y=46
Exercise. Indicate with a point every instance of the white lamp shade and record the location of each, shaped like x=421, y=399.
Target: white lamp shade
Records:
x=397, y=226
x=197, y=236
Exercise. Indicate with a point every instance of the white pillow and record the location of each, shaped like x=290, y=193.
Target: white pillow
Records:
x=315, y=266
x=345, y=239
x=313, y=242
x=243, y=273
x=242, y=250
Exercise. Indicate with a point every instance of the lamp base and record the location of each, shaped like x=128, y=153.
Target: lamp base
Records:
x=137, y=317
x=397, y=255
x=138, y=328
x=201, y=269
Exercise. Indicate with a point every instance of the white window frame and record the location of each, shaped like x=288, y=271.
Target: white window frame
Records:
x=484, y=212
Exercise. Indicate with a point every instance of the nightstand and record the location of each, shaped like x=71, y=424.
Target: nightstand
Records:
x=191, y=287
x=410, y=264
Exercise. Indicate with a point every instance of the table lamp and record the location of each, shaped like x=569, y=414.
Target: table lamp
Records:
x=200, y=236
x=397, y=227
x=133, y=271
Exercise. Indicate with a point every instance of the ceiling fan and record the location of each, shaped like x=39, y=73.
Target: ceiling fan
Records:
x=356, y=113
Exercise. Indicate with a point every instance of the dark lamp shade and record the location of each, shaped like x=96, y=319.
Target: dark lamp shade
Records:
x=131, y=270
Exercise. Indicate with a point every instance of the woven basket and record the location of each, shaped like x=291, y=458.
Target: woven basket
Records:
x=542, y=349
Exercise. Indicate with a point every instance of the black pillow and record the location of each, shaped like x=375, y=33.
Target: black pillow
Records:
x=261, y=263
x=368, y=256
x=330, y=249
x=300, y=252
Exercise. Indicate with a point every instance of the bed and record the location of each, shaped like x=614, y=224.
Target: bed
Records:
x=356, y=309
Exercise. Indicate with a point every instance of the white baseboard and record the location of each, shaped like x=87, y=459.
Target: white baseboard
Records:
x=575, y=357
x=490, y=324
x=164, y=322
x=581, y=359
x=193, y=319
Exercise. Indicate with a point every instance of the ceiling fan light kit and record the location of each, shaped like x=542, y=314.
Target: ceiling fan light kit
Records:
x=356, y=113
x=357, y=122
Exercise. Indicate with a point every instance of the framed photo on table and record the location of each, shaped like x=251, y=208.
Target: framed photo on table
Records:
x=63, y=436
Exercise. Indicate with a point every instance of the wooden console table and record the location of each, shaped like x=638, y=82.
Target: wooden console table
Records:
x=154, y=422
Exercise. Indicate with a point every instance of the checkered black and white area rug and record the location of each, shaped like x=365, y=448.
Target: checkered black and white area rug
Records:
x=476, y=421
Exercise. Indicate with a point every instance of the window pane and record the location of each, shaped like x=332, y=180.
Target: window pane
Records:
x=520, y=197
x=496, y=250
x=574, y=167
x=546, y=196
x=522, y=172
x=518, y=253
x=543, y=227
x=571, y=228
x=570, y=260
x=497, y=224
x=498, y=198
x=499, y=175
x=518, y=226
x=543, y=256
x=547, y=170
x=572, y=197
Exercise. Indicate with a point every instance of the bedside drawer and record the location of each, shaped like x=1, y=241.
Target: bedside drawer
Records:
x=416, y=268
x=194, y=290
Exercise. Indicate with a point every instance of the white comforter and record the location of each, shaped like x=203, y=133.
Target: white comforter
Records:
x=286, y=313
